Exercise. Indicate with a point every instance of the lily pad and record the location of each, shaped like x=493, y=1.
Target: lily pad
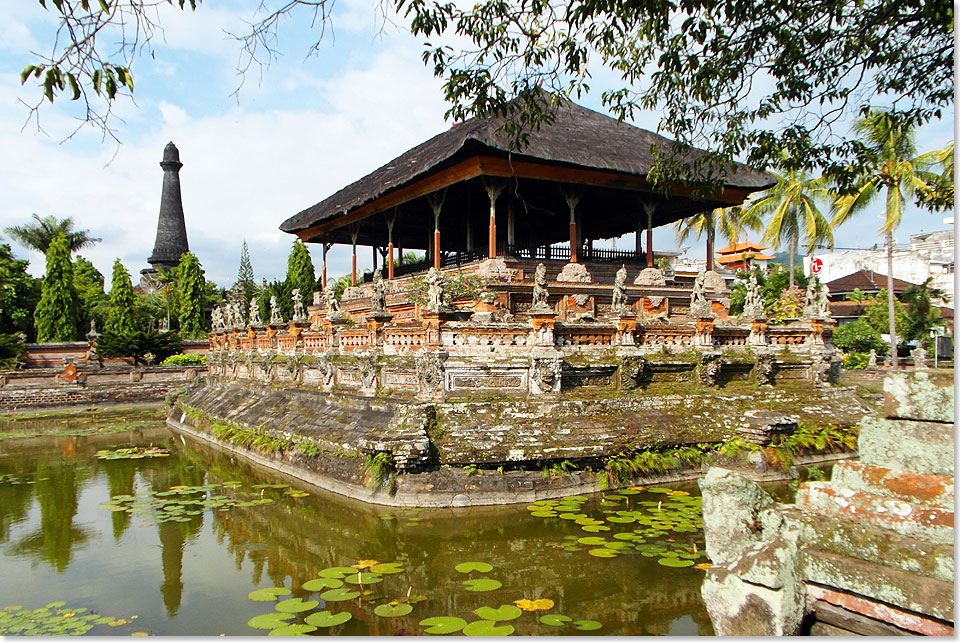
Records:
x=501, y=614
x=327, y=619
x=598, y=528
x=482, y=585
x=587, y=625
x=674, y=562
x=592, y=541
x=543, y=513
x=296, y=605
x=268, y=594
x=554, y=619
x=363, y=578
x=442, y=625
x=467, y=567
x=321, y=583
x=339, y=595
x=487, y=628
x=393, y=610
x=387, y=568
x=338, y=572
x=603, y=552
x=291, y=629
x=269, y=620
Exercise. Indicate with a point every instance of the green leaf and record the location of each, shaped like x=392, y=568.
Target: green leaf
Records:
x=293, y=629
x=592, y=541
x=387, y=568
x=338, y=572
x=339, y=595
x=74, y=86
x=487, y=628
x=29, y=69
x=502, y=614
x=296, y=605
x=328, y=619
x=603, y=552
x=674, y=562
x=322, y=583
x=443, y=624
x=467, y=567
x=554, y=619
x=269, y=620
x=482, y=585
x=363, y=578
x=393, y=610
x=268, y=594
x=587, y=625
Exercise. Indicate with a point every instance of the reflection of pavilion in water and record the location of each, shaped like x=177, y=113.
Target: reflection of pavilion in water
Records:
x=521, y=225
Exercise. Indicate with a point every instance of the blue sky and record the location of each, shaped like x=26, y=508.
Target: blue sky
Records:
x=305, y=128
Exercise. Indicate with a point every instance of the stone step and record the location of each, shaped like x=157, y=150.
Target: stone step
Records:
x=878, y=582
x=912, y=520
x=927, y=489
x=918, y=395
x=874, y=544
x=917, y=446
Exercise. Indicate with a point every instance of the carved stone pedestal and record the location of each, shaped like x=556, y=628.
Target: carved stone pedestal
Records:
x=626, y=327
x=704, y=336
x=543, y=324
x=758, y=333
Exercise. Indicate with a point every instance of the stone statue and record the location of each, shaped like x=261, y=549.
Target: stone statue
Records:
x=540, y=293
x=619, y=302
x=435, y=294
x=237, y=314
x=872, y=360
x=299, y=314
x=330, y=301
x=919, y=355
x=275, y=316
x=823, y=302
x=317, y=297
x=753, y=304
x=810, y=307
x=699, y=306
x=216, y=319
x=378, y=299
x=255, y=313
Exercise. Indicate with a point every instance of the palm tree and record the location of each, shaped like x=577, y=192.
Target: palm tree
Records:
x=897, y=171
x=729, y=221
x=38, y=235
x=794, y=215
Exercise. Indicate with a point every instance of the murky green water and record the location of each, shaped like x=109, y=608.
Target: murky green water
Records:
x=185, y=560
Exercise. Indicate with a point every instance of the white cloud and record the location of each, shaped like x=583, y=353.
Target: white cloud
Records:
x=173, y=115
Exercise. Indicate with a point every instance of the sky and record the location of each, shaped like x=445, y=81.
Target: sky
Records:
x=293, y=135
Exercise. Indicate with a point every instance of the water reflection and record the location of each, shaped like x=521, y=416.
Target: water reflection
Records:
x=207, y=564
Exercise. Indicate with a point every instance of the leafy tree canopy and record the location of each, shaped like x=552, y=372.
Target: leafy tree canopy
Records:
x=122, y=313
x=88, y=282
x=57, y=314
x=144, y=346
x=39, y=234
x=19, y=294
x=192, y=289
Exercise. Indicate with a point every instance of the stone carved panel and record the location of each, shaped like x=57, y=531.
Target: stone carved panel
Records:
x=430, y=370
x=367, y=368
x=401, y=379
x=545, y=375
x=708, y=368
x=764, y=369
x=574, y=273
x=634, y=371
x=485, y=380
x=650, y=276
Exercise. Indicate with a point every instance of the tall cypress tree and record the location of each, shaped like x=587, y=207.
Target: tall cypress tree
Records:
x=300, y=274
x=191, y=287
x=121, y=315
x=88, y=282
x=245, y=277
x=57, y=315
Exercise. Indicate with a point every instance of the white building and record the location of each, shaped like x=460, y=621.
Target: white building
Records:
x=926, y=255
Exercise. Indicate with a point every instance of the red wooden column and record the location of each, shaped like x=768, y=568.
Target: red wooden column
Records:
x=353, y=273
x=323, y=283
x=436, y=204
x=649, y=208
x=572, y=201
x=493, y=192
x=390, y=221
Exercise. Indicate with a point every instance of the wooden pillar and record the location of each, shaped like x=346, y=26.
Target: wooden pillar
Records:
x=390, y=221
x=353, y=272
x=436, y=204
x=572, y=199
x=638, y=246
x=649, y=208
x=709, y=217
x=323, y=283
x=374, y=248
x=511, y=226
x=493, y=192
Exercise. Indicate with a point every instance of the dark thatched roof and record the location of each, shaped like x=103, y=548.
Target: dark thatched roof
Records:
x=578, y=137
x=867, y=281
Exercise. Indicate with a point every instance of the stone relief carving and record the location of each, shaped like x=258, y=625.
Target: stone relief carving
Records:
x=496, y=269
x=352, y=292
x=325, y=368
x=581, y=299
x=634, y=371
x=540, y=293
x=545, y=374
x=430, y=369
x=713, y=282
x=292, y=366
x=764, y=369
x=276, y=317
x=708, y=368
x=650, y=276
x=367, y=367
x=574, y=273
x=378, y=300
x=699, y=306
x=299, y=314
x=822, y=369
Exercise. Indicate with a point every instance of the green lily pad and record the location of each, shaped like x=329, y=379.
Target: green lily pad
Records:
x=598, y=528
x=618, y=546
x=363, y=578
x=674, y=562
x=487, y=628
x=338, y=572
x=267, y=594
x=621, y=520
x=387, y=568
x=393, y=610
x=321, y=583
x=296, y=605
x=573, y=516
x=543, y=513
x=55, y=605
x=482, y=585
x=442, y=625
x=339, y=595
x=592, y=541
x=572, y=549
x=587, y=625
x=554, y=619
x=603, y=552
x=293, y=629
x=327, y=619
x=269, y=620
x=502, y=614
x=480, y=567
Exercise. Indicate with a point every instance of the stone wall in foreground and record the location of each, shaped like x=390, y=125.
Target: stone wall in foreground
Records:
x=870, y=552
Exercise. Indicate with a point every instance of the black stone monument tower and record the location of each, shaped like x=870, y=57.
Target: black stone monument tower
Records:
x=171, y=231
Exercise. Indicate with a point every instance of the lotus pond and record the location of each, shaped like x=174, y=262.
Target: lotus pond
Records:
x=120, y=532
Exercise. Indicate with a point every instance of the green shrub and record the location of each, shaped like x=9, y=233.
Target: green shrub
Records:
x=182, y=359
x=145, y=347
x=859, y=336
x=13, y=351
x=855, y=360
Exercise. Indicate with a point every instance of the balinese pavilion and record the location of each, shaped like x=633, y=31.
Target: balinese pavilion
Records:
x=512, y=295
